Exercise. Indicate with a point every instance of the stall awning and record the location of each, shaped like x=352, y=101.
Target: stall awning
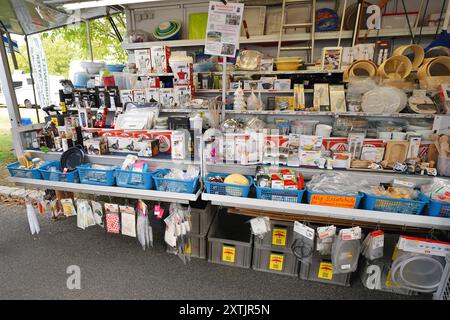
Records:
x=25, y=17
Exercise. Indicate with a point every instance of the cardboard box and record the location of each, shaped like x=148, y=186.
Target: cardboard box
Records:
x=160, y=59
x=97, y=146
x=152, y=95
x=183, y=96
x=126, y=96
x=166, y=98
x=282, y=84
x=309, y=158
x=124, y=146
x=143, y=61
x=139, y=96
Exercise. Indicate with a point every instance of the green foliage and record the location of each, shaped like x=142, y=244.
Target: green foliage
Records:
x=66, y=44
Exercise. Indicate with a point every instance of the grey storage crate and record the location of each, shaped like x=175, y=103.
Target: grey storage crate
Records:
x=202, y=214
x=198, y=246
x=230, y=240
x=280, y=237
x=280, y=262
x=311, y=272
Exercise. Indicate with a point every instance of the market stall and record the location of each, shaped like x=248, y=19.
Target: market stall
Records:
x=323, y=148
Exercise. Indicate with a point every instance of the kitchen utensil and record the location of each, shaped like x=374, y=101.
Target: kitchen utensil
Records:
x=396, y=68
x=72, y=158
x=249, y=60
x=396, y=151
x=418, y=54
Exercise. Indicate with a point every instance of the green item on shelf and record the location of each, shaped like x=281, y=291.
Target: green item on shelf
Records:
x=197, y=25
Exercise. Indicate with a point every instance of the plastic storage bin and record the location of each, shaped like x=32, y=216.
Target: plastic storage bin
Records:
x=321, y=270
x=202, y=214
x=281, y=262
x=197, y=248
x=226, y=189
x=435, y=208
x=17, y=172
x=230, y=241
x=173, y=185
x=58, y=175
x=334, y=200
x=279, y=194
x=443, y=166
x=393, y=205
x=133, y=179
x=281, y=236
x=88, y=175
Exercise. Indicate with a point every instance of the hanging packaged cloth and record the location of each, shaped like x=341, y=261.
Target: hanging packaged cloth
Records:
x=128, y=221
x=112, y=218
x=85, y=217
x=98, y=213
x=68, y=207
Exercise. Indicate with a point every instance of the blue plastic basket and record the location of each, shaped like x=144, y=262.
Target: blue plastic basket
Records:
x=335, y=199
x=294, y=196
x=133, y=179
x=58, y=175
x=174, y=185
x=386, y=204
x=17, y=172
x=226, y=189
x=100, y=177
x=435, y=208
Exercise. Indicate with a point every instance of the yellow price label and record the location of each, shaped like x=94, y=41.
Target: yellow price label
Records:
x=279, y=237
x=228, y=254
x=325, y=271
x=276, y=262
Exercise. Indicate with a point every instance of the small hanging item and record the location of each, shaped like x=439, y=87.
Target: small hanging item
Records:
x=32, y=219
x=98, y=213
x=128, y=221
x=112, y=218
x=144, y=229
x=260, y=226
x=85, y=217
x=68, y=207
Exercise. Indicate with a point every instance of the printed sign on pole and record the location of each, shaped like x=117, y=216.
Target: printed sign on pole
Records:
x=223, y=28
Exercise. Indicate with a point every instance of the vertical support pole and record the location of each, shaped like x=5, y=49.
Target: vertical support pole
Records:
x=32, y=79
x=88, y=32
x=10, y=98
x=416, y=23
x=447, y=17
x=224, y=87
x=342, y=23
x=280, y=37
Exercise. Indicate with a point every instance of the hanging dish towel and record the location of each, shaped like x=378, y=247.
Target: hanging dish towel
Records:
x=32, y=219
x=112, y=218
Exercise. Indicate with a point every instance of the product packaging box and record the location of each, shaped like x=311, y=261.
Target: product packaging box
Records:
x=123, y=146
x=160, y=59
x=183, y=96
x=282, y=84
x=166, y=98
x=143, y=61
x=97, y=146
x=139, y=96
x=152, y=95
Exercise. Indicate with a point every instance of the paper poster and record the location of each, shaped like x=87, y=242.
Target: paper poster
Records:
x=223, y=28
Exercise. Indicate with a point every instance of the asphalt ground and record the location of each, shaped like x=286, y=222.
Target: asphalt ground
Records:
x=116, y=267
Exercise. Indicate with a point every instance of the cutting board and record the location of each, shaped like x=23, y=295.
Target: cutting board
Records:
x=396, y=151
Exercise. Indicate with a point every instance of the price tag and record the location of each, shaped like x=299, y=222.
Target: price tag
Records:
x=276, y=262
x=279, y=236
x=228, y=254
x=333, y=201
x=303, y=230
x=325, y=271
x=350, y=234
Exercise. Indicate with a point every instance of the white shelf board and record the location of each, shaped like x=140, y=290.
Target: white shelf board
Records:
x=326, y=113
x=258, y=72
x=333, y=35
x=407, y=220
x=108, y=191
x=353, y=174
x=198, y=91
x=31, y=127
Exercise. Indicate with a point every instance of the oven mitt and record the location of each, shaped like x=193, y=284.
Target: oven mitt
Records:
x=32, y=219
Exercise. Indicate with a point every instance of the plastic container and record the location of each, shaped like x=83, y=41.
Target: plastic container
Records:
x=281, y=236
x=226, y=189
x=58, y=175
x=393, y=205
x=443, y=166
x=435, y=208
x=333, y=200
x=173, y=185
x=202, y=214
x=279, y=194
x=280, y=262
x=133, y=179
x=321, y=270
x=230, y=241
x=17, y=172
x=197, y=248
x=88, y=175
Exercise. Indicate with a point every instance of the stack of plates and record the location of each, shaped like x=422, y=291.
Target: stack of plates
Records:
x=168, y=30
